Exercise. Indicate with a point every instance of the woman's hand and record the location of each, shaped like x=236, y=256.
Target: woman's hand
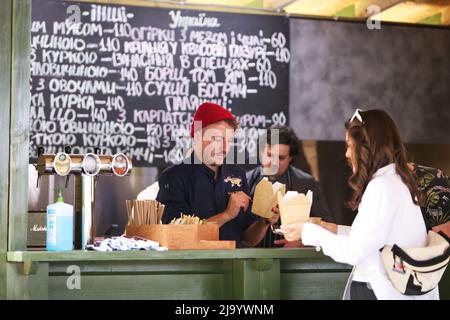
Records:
x=292, y=232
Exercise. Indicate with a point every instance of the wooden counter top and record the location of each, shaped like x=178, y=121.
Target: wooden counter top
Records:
x=258, y=253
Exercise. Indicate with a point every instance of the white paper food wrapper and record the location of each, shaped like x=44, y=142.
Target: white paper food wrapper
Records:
x=295, y=207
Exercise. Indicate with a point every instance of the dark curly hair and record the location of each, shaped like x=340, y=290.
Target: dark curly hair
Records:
x=286, y=135
x=377, y=143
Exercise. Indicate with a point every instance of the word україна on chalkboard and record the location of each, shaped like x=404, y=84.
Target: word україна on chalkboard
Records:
x=128, y=79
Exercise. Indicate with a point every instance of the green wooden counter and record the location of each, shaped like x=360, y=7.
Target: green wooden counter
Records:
x=193, y=274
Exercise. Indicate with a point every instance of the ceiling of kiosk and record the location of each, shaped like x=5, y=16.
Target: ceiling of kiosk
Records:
x=428, y=12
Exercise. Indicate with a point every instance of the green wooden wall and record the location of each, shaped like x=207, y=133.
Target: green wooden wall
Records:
x=5, y=90
x=15, y=35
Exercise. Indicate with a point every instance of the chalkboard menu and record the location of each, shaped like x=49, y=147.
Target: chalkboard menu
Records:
x=129, y=79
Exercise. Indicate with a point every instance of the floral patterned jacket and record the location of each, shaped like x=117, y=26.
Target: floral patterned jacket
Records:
x=435, y=185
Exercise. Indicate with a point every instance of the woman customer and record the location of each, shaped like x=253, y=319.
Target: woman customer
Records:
x=386, y=196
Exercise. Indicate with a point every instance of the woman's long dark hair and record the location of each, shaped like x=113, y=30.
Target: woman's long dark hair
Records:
x=377, y=143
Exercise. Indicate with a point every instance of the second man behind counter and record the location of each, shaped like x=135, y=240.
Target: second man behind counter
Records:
x=279, y=152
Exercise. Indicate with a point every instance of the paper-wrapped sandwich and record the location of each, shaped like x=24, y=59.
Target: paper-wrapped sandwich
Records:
x=294, y=207
x=265, y=197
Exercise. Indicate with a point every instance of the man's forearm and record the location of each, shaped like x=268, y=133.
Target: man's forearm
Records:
x=220, y=218
x=255, y=233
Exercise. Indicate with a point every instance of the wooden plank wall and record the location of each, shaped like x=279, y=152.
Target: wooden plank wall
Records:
x=15, y=25
x=5, y=66
x=20, y=122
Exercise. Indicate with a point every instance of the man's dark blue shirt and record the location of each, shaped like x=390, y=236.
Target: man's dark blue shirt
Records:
x=190, y=188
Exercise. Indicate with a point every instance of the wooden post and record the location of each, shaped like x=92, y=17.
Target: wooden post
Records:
x=256, y=279
x=5, y=73
x=15, y=25
x=19, y=125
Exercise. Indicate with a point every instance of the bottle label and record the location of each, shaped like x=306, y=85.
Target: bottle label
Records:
x=51, y=227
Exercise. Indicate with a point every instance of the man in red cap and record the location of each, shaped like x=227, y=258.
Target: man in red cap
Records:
x=207, y=187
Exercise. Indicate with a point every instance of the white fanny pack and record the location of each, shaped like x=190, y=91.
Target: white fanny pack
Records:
x=416, y=271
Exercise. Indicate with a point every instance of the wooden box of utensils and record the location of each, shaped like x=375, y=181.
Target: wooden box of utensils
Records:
x=182, y=237
x=144, y=212
x=144, y=220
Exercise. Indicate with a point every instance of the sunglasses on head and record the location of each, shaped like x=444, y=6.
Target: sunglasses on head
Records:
x=357, y=115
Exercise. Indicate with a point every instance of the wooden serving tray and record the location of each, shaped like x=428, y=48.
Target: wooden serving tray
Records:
x=181, y=237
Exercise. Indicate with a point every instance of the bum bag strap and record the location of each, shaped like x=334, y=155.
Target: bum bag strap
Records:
x=419, y=263
x=443, y=235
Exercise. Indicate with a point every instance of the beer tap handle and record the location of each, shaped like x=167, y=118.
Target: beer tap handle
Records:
x=40, y=151
x=67, y=180
x=37, y=181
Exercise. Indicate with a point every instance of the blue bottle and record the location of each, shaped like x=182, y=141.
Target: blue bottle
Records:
x=60, y=225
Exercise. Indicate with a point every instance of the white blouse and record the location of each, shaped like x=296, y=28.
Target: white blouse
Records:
x=386, y=216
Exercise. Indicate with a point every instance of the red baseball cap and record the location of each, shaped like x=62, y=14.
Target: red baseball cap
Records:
x=209, y=113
